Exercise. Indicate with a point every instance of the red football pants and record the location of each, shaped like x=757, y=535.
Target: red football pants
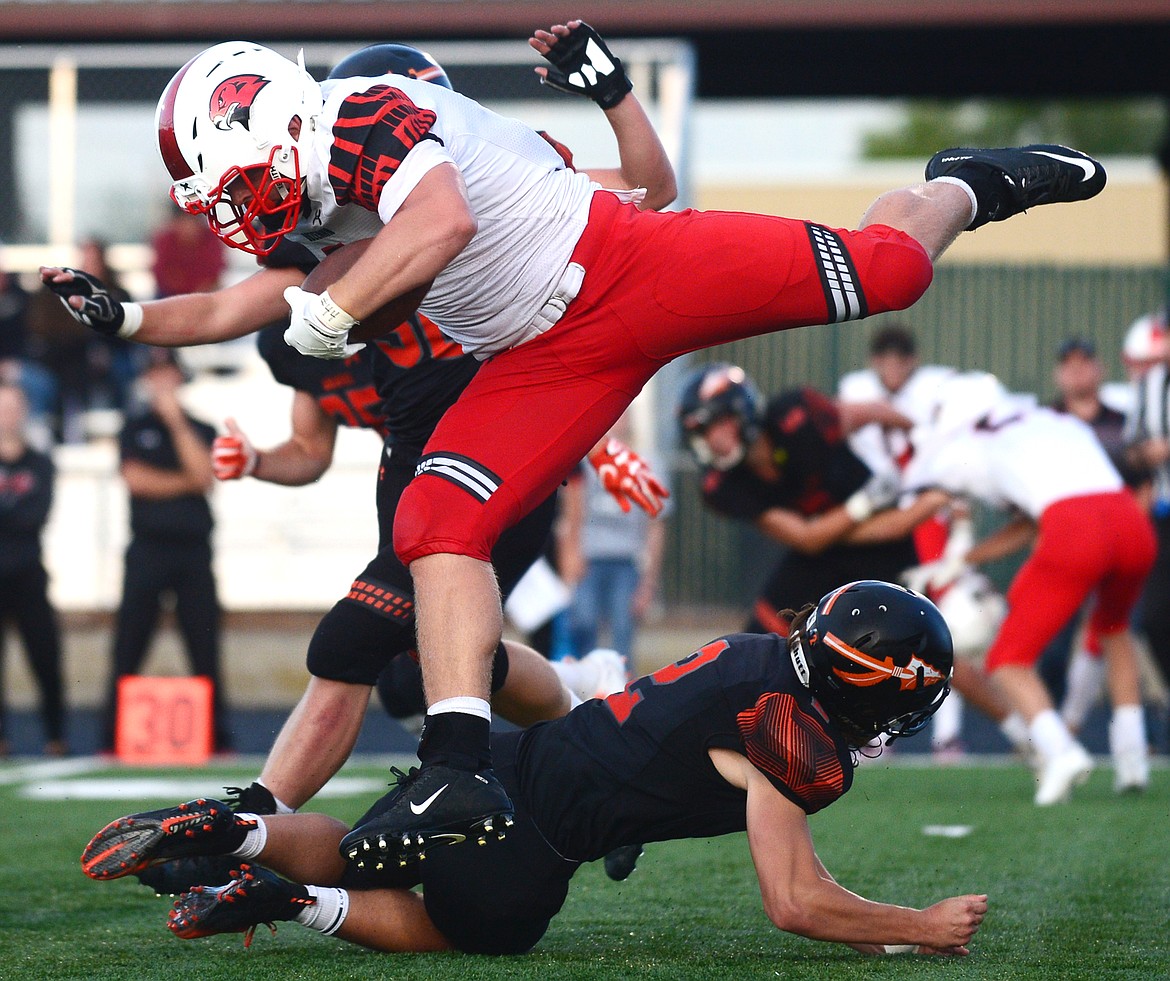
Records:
x=656, y=286
x=1101, y=544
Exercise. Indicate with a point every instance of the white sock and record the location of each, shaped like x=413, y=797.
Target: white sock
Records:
x=1084, y=683
x=254, y=840
x=1127, y=730
x=1015, y=729
x=281, y=806
x=947, y=721
x=966, y=187
x=466, y=704
x=1049, y=735
x=328, y=912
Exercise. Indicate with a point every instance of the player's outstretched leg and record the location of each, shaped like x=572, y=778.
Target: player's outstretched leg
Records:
x=131, y=843
x=437, y=805
x=254, y=895
x=1009, y=180
x=174, y=876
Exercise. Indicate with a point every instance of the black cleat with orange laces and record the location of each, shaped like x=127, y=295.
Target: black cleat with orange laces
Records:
x=254, y=896
x=131, y=843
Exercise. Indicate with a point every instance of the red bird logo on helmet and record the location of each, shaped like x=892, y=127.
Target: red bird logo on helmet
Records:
x=231, y=102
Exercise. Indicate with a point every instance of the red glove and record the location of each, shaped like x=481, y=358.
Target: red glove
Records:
x=628, y=477
x=233, y=456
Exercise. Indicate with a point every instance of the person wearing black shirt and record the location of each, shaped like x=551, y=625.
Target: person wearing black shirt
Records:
x=26, y=494
x=786, y=467
x=166, y=464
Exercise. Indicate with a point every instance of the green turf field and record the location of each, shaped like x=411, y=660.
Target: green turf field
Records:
x=1080, y=891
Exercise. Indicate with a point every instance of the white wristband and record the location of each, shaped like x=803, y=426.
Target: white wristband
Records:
x=901, y=948
x=131, y=320
x=859, y=506
x=335, y=320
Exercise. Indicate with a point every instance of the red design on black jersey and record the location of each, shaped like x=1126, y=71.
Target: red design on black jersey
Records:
x=794, y=749
x=374, y=131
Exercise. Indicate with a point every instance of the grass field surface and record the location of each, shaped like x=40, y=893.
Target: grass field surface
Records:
x=1077, y=891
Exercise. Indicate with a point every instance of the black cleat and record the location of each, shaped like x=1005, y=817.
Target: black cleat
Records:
x=177, y=875
x=253, y=896
x=437, y=805
x=621, y=862
x=130, y=844
x=1009, y=180
x=253, y=799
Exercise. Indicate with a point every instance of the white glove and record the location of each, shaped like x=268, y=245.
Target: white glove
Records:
x=233, y=456
x=318, y=327
x=933, y=577
x=879, y=492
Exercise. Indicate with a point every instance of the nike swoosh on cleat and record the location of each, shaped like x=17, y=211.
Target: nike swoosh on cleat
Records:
x=420, y=808
x=1086, y=165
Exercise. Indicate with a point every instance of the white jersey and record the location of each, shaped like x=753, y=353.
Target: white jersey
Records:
x=883, y=448
x=531, y=209
x=1016, y=455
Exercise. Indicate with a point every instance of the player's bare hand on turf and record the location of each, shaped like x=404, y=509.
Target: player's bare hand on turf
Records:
x=952, y=923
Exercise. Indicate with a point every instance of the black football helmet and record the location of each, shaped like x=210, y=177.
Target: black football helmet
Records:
x=716, y=392
x=399, y=59
x=877, y=656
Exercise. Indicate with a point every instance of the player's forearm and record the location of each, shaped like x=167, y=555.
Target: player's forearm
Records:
x=810, y=536
x=896, y=523
x=1004, y=541
x=432, y=227
x=827, y=911
x=291, y=464
x=644, y=162
x=208, y=318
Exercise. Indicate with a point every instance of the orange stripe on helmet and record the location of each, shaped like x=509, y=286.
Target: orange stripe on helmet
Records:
x=879, y=671
x=833, y=597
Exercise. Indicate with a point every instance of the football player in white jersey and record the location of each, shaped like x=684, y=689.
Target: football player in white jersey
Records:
x=1091, y=539
x=574, y=295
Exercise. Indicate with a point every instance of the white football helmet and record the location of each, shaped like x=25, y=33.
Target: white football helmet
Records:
x=1144, y=344
x=225, y=117
x=974, y=610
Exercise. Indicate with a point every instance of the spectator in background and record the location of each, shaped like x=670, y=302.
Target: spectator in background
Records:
x=611, y=556
x=166, y=464
x=26, y=495
x=37, y=382
x=1148, y=435
x=188, y=258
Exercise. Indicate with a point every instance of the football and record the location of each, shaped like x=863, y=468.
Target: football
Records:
x=383, y=320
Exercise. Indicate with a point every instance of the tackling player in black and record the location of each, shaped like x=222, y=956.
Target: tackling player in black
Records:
x=751, y=732
x=787, y=468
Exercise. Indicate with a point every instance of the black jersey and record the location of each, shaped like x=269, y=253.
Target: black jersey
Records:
x=26, y=494
x=416, y=371
x=633, y=767
x=344, y=390
x=817, y=469
x=145, y=437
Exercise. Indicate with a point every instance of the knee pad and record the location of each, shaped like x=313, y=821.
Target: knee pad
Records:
x=357, y=638
x=898, y=273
